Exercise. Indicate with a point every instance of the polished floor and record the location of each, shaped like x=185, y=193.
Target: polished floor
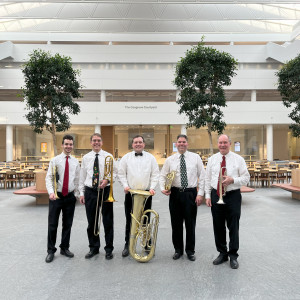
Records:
x=269, y=255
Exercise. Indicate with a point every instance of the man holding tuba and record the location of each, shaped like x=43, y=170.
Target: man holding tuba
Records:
x=137, y=170
x=92, y=179
x=229, y=189
x=183, y=196
x=63, y=174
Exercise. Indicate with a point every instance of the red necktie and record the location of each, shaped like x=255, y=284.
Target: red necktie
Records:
x=223, y=166
x=65, y=189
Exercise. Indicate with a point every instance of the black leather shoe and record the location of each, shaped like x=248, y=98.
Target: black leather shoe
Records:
x=91, y=253
x=191, y=257
x=66, y=252
x=177, y=255
x=220, y=259
x=125, y=252
x=49, y=257
x=234, y=263
x=109, y=255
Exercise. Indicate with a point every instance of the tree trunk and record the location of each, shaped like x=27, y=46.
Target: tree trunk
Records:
x=210, y=139
x=54, y=143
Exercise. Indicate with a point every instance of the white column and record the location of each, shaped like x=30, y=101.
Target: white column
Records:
x=98, y=129
x=9, y=143
x=103, y=96
x=183, y=129
x=270, y=142
x=177, y=94
x=253, y=96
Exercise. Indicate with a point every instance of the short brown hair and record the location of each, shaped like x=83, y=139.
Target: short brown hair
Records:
x=96, y=134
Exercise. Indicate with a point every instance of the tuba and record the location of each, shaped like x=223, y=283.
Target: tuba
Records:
x=169, y=180
x=143, y=233
x=221, y=188
x=54, y=180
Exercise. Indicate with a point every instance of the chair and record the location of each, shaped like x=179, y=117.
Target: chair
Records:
x=264, y=177
x=28, y=178
x=253, y=178
x=281, y=176
x=2, y=179
x=11, y=177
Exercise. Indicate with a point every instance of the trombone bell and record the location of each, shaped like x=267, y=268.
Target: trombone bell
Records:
x=108, y=174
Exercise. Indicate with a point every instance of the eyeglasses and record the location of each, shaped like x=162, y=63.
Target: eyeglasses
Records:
x=96, y=141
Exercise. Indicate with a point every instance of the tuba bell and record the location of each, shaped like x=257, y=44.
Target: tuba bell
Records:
x=143, y=233
x=221, y=188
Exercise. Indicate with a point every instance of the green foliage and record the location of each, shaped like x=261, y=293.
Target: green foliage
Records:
x=50, y=86
x=289, y=88
x=200, y=76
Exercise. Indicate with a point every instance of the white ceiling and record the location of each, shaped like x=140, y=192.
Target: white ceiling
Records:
x=227, y=18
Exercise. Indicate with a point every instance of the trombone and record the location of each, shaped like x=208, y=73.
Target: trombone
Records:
x=108, y=174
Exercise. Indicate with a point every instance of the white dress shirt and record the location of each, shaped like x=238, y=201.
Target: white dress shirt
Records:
x=87, y=169
x=59, y=162
x=194, y=167
x=235, y=167
x=138, y=172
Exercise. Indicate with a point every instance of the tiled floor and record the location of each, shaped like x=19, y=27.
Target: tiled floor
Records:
x=269, y=255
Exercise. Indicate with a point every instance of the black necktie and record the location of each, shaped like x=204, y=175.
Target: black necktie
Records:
x=96, y=172
x=138, y=154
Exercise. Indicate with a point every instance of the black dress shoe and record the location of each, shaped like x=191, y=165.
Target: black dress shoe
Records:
x=220, y=259
x=177, y=255
x=49, y=257
x=191, y=257
x=109, y=255
x=125, y=252
x=91, y=253
x=66, y=252
x=234, y=263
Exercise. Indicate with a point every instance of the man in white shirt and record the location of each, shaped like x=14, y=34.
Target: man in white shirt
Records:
x=137, y=170
x=92, y=178
x=67, y=169
x=184, y=197
x=230, y=212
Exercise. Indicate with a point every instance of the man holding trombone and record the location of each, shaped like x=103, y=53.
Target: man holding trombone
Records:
x=226, y=172
x=62, y=186
x=94, y=191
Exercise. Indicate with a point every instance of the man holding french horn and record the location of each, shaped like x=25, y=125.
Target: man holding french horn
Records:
x=138, y=170
x=226, y=172
x=94, y=188
x=184, y=198
x=62, y=186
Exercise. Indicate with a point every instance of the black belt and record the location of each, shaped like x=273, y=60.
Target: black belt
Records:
x=231, y=191
x=61, y=195
x=181, y=190
x=93, y=189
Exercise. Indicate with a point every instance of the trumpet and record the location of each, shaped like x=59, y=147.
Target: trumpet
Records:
x=143, y=233
x=221, y=188
x=108, y=174
x=54, y=178
x=169, y=180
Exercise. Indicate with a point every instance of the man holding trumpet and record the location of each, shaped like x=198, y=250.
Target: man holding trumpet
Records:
x=228, y=189
x=62, y=186
x=92, y=179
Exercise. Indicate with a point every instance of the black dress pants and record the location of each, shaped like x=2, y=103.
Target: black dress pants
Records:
x=67, y=206
x=226, y=214
x=90, y=196
x=183, y=209
x=128, y=210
